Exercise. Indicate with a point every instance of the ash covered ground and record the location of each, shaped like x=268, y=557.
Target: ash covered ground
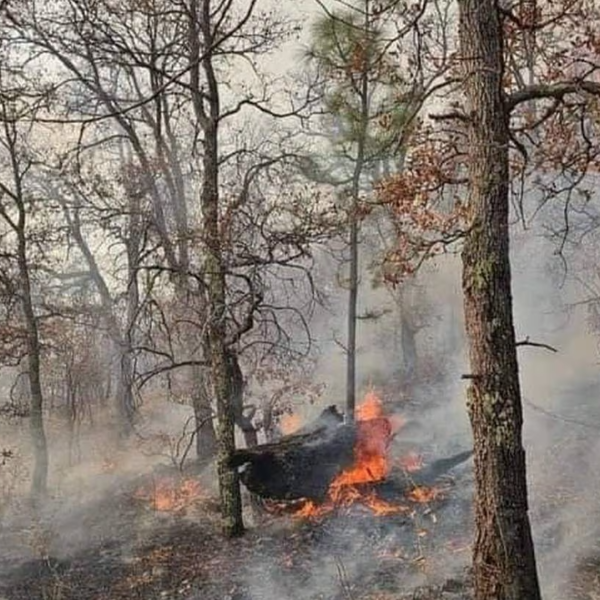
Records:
x=104, y=536
x=121, y=547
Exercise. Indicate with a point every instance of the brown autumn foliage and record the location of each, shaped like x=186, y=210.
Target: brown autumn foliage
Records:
x=552, y=91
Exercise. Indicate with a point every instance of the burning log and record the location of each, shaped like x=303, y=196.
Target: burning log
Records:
x=330, y=464
x=404, y=483
x=300, y=465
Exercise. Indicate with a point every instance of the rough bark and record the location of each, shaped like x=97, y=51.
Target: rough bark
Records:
x=503, y=556
x=229, y=488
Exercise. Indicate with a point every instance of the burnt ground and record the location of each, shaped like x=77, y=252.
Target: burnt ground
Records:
x=120, y=548
x=113, y=545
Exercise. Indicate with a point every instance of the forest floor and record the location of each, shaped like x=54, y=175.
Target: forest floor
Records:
x=122, y=548
x=111, y=532
x=125, y=546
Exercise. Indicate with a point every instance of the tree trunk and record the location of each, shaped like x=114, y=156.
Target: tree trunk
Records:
x=206, y=439
x=229, y=485
x=236, y=381
x=352, y=306
x=125, y=402
x=503, y=555
x=231, y=502
x=39, y=483
x=120, y=335
x=408, y=342
x=359, y=168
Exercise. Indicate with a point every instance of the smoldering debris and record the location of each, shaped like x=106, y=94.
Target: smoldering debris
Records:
x=148, y=553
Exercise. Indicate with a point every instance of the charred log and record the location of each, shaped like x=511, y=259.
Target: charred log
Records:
x=301, y=465
x=304, y=465
x=399, y=483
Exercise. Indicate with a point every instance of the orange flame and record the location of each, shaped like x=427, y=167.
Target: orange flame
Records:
x=168, y=495
x=289, y=423
x=370, y=408
x=411, y=462
x=373, y=434
x=424, y=494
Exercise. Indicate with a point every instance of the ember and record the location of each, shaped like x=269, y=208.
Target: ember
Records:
x=169, y=495
x=411, y=462
x=424, y=494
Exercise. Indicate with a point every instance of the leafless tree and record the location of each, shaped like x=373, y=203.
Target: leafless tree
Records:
x=22, y=235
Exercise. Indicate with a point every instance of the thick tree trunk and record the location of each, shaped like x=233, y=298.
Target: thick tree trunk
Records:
x=503, y=555
x=231, y=502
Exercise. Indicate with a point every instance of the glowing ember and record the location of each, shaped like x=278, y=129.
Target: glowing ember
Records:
x=424, y=494
x=411, y=462
x=169, y=495
x=108, y=465
x=289, y=423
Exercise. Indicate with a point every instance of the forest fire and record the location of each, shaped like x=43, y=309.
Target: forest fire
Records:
x=371, y=465
x=424, y=494
x=168, y=494
x=330, y=464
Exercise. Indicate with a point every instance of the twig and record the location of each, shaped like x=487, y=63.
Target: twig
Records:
x=527, y=342
x=343, y=576
x=594, y=425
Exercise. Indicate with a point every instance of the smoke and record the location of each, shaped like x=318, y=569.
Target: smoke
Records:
x=562, y=419
x=561, y=408
x=561, y=412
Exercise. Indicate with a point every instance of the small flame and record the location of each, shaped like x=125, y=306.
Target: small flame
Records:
x=370, y=408
x=289, y=423
x=168, y=495
x=411, y=462
x=424, y=494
